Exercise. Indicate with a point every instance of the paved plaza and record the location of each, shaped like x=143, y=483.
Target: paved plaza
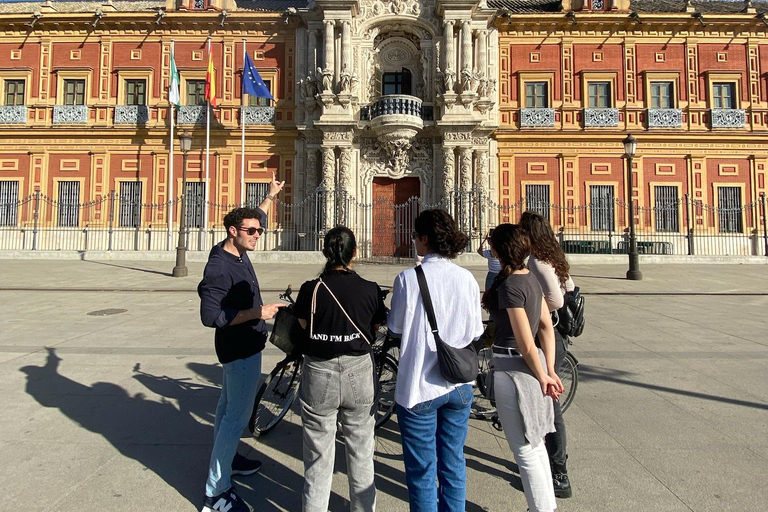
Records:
x=114, y=412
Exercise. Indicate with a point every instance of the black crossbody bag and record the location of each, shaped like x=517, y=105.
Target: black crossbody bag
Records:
x=457, y=365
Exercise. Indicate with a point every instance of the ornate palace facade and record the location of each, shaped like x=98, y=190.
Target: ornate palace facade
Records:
x=486, y=107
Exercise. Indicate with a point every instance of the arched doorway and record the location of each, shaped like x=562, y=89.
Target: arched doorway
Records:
x=395, y=206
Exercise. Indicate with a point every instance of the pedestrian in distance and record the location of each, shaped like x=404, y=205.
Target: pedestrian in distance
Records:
x=494, y=267
x=525, y=381
x=548, y=263
x=341, y=312
x=433, y=413
x=230, y=302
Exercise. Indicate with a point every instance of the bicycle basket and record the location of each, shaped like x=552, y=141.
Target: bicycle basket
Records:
x=287, y=333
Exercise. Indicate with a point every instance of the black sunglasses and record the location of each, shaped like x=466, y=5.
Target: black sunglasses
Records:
x=252, y=231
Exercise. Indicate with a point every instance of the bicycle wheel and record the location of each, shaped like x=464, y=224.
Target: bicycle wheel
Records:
x=386, y=369
x=482, y=408
x=569, y=375
x=274, y=399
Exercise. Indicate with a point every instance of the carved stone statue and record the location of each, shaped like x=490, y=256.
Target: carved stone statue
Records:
x=491, y=87
x=466, y=80
x=354, y=83
x=345, y=80
x=450, y=80
x=482, y=88
x=300, y=90
x=439, y=82
x=327, y=75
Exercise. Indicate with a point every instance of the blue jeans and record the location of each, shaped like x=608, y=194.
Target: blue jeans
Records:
x=433, y=434
x=238, y=393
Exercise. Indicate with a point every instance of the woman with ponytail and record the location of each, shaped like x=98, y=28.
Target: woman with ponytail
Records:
x=433, y=413
x=341, y=312
x=547, y=262
x=525, y=382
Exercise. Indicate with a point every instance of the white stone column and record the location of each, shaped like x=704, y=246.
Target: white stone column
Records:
x=466, y=46
x=329, y=45
x=346, y=45
x=449, y=175
x=465, y=184
x=482, y=52
x=481, y=169
x=310, y=170
x=448, y=54
x=328, y=179
x=312, y=62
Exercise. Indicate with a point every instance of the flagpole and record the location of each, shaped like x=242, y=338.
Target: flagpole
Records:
x=207, y=150
x=242, y=130
x=170, y=160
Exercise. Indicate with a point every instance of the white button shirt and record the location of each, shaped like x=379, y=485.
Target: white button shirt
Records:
x=456, y=301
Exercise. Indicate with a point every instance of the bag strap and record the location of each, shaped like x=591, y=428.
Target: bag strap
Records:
x=427, y=299
x=314, y=307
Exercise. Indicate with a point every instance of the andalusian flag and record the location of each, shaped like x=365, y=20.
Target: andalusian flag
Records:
x=210, y=81
x=173, y=90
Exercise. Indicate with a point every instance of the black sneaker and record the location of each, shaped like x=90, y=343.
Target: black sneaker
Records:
x=562, y=485
x=228, y=501
x=243, y=466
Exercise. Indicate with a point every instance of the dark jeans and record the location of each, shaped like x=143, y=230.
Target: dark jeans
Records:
x=556, y=441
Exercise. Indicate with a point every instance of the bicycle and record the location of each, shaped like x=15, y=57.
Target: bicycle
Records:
x=280, y=389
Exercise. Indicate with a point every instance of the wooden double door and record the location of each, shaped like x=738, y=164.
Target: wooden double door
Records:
x=395, y=207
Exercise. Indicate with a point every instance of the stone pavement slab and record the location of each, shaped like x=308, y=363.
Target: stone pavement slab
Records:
x=115, y=412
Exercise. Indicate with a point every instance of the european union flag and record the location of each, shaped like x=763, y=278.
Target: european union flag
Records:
x=252, y=81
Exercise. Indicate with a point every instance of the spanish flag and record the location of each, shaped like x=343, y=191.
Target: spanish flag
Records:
x=210, y=81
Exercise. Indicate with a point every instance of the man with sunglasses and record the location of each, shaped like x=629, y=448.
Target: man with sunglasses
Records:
x=230, y=301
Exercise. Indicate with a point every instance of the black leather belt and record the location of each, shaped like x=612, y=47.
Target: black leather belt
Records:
x=505, y=351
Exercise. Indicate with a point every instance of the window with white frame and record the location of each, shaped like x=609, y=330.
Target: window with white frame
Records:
x=255, y=193
x=195, y=203
x=537, y=199
x=135, y=92
x=74, y=92
x=14, y=92
x=9, y=203
x=729, y=211
x=69, y=203
x=601, y=207
x=724, y=94
x=667, y=208
x=536, y=95
x=662, y=95
x=599, y=94
x=130, y=204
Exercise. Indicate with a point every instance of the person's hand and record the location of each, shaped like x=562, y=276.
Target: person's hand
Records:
x=550, y=386
x=269, y=310
x=276, y=186
x=560, y=387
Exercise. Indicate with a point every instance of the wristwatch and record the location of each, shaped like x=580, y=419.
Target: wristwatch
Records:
x=270, y=197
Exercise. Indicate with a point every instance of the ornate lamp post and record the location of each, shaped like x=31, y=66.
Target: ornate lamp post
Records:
x=180, y=270
x=634, y=274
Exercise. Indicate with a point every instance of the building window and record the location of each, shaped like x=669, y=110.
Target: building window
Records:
x=9, y=202
x=256, y=101
x=195, y=203
x=536, y=95
x=729, y=209
x=396, y=83
x=599, y=94
x=255, y=193
x=130, y=204
x=601, y=210
x=723, y=94
x=74, y=92
x=69, y=203
x=537, y=199
x=195, y=92
x=135, y=92
x=662, y=95
x=14, y=92
x=199, y=4
x=667, y=208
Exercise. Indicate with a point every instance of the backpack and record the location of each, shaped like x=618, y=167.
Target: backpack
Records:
x=571, y=315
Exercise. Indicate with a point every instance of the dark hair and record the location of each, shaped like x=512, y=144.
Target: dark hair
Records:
x=512, y=246
x=444, y=236
x=544, y=244
x=235, y=217
x=339, y=248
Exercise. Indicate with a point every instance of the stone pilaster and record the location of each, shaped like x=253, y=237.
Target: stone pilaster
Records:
x=449, y=171
x=329, y=49
x=312, y=61
x=466, y=45
x=448, y=54
x=346, y=45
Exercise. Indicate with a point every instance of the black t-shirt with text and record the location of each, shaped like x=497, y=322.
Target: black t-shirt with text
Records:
x=332, y=334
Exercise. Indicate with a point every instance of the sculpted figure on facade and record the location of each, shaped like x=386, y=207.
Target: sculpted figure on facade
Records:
x=482, y=88
x=466, y=80
x=345, y=80
x=354, y=84
x=327, y=75
x=450, y=80
x=439, y=82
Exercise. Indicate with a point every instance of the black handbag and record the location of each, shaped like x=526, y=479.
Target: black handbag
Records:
x=287, y=333
x=457, y=365
x=570, y=317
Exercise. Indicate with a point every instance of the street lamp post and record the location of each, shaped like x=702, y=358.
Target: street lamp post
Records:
x=634, y=274
x=180, y=270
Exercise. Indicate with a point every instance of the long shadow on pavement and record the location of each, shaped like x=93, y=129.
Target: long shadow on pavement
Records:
x=167, y=440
